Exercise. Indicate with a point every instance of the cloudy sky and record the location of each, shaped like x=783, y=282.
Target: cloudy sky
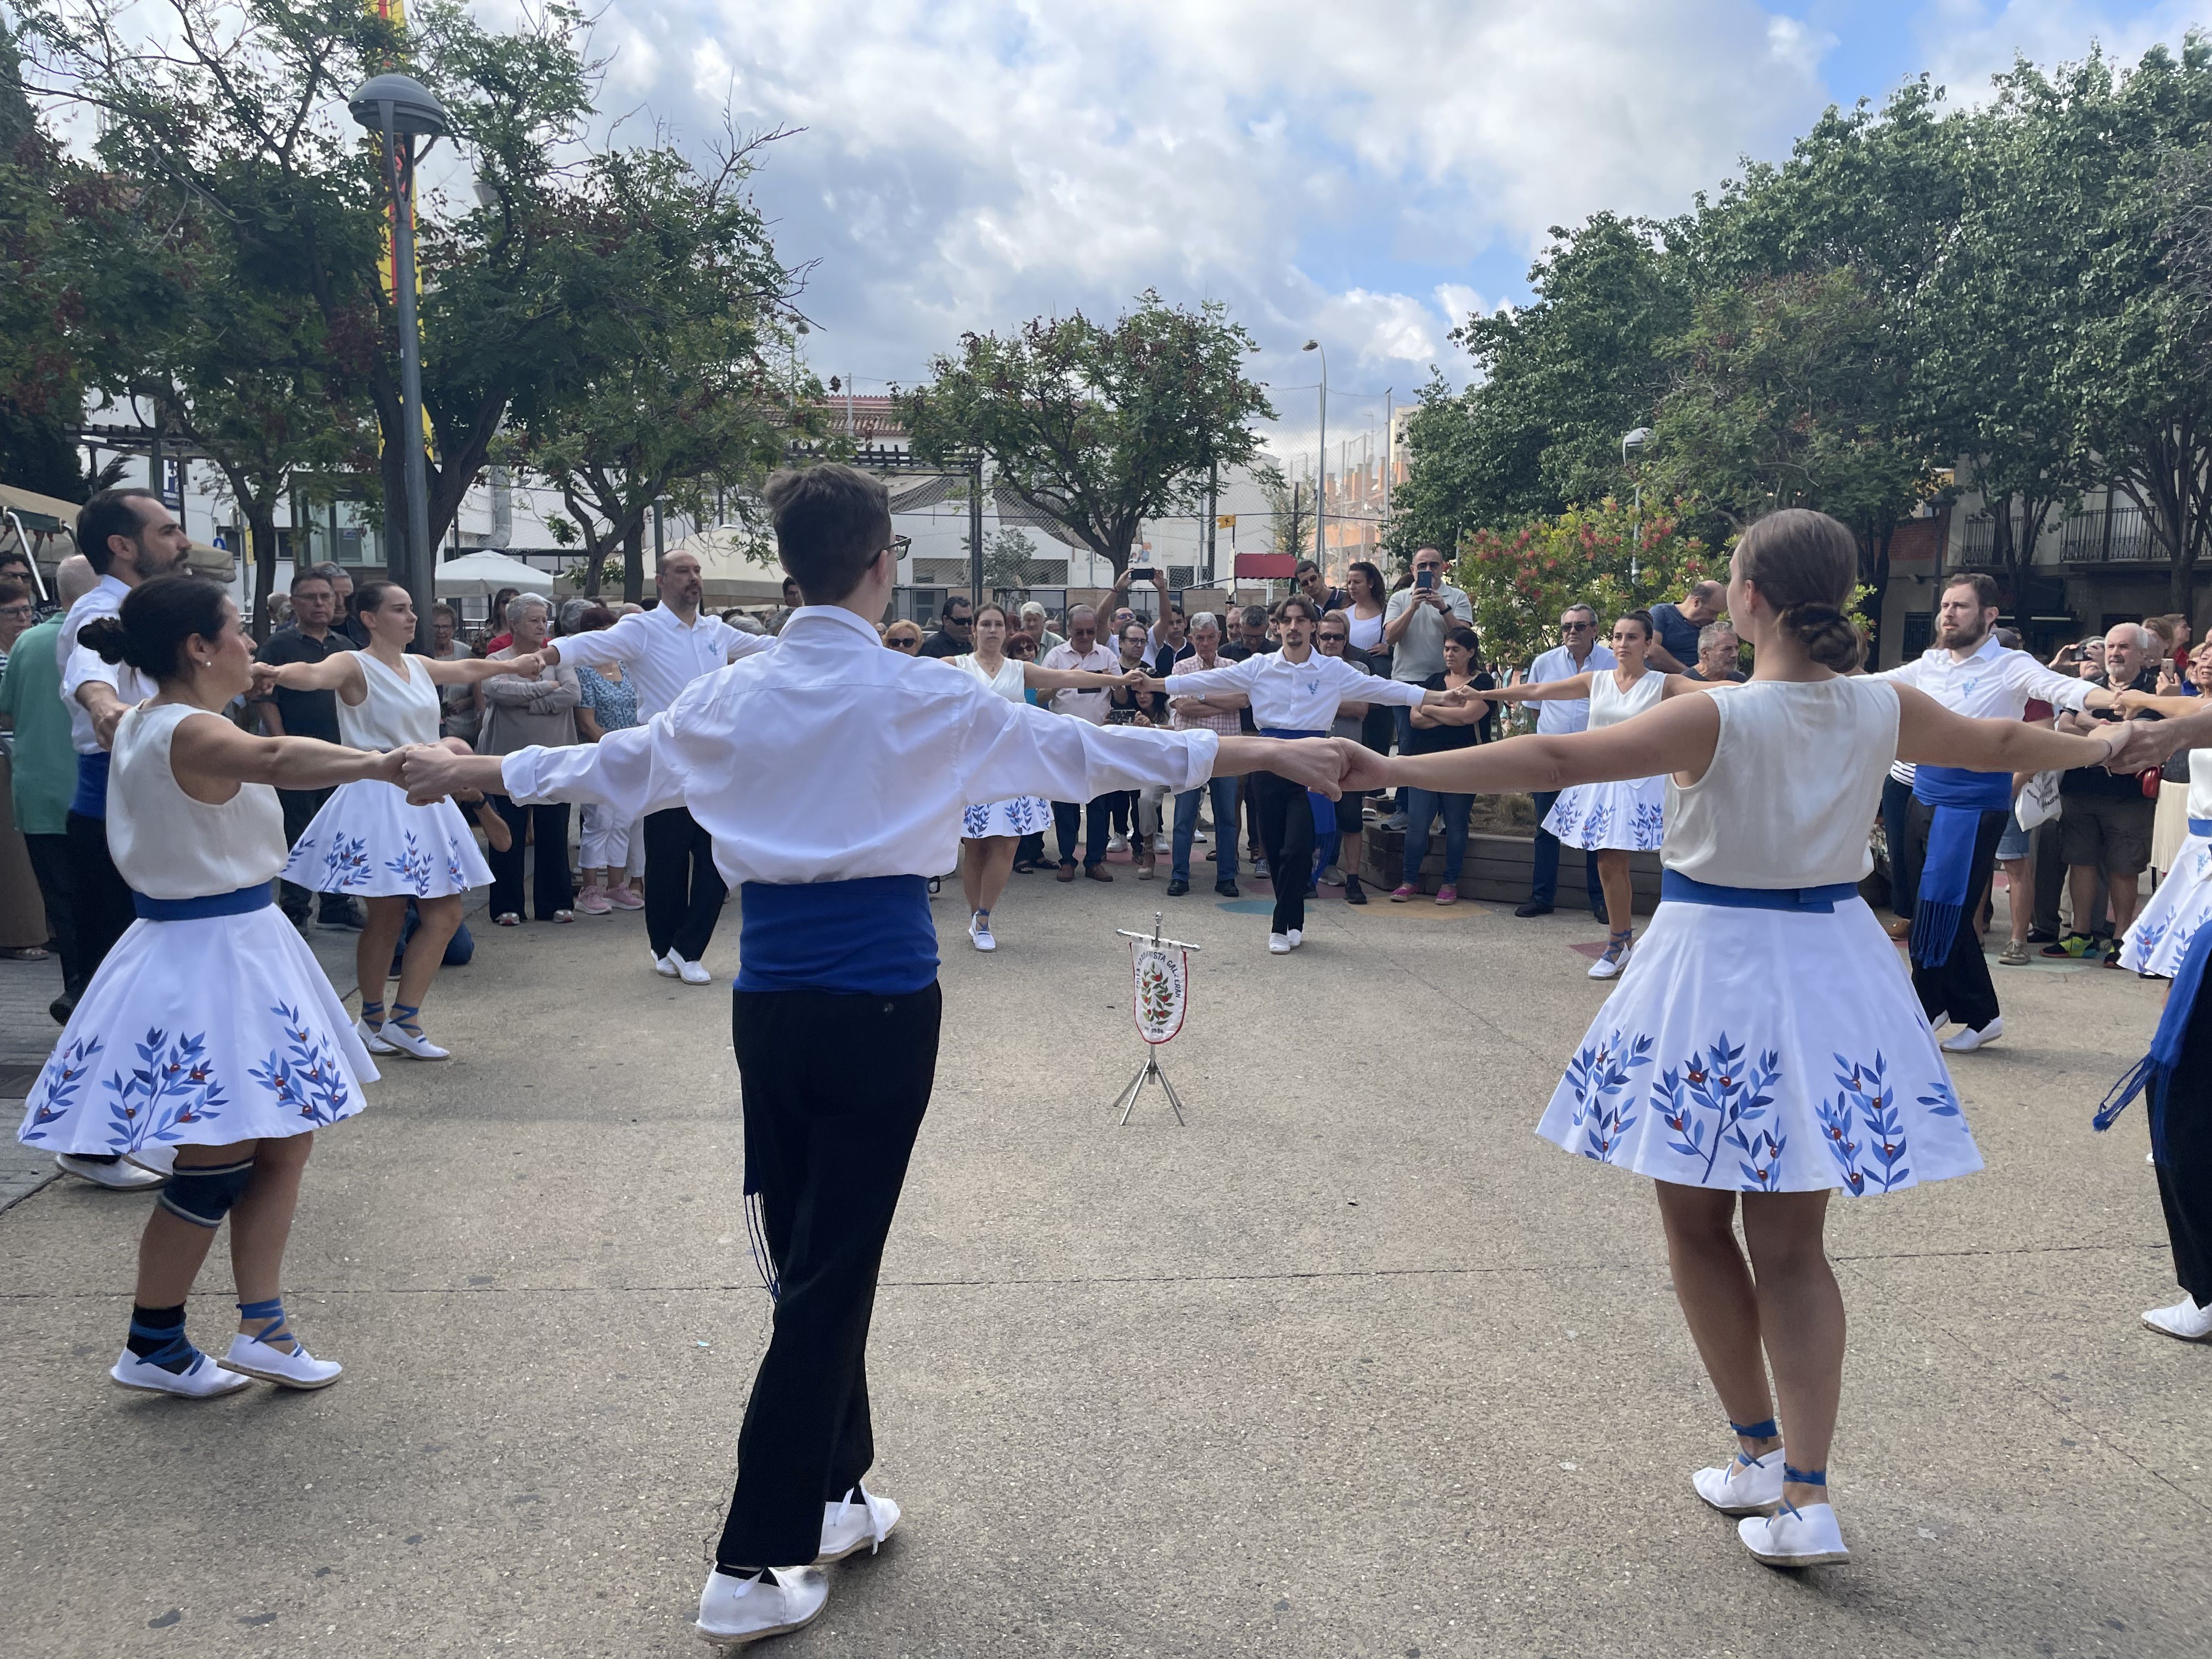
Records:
x=1366, y=174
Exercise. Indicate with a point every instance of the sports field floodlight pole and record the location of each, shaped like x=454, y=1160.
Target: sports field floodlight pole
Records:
x=399, y=109
x=1321, y=467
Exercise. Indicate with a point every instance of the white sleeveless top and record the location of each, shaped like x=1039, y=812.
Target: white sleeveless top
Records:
x=395, y=712
x=1366, y=632
x=2200, y=783
x=1609, y=705
x=166, y=844
x=1008, y=682
x=1795, y=784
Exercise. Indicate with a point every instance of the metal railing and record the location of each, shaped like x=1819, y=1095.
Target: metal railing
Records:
x=2118, y=534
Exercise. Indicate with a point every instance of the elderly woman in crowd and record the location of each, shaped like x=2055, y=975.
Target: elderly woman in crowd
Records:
x=611, y=854
x=1038, y=627
x=903, y=636
x=520, y=713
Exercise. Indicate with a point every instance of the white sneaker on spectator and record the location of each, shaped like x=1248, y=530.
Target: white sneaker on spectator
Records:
x=1162, y=844
x=1966, y=1041
x=121, y=1176
x=2184, y=1319
x=691, y=972
x=734, y=1611
x=667, y=967
x=1395, y=821
x=1117, y=842
x=1279, y=944
x=1297, y=937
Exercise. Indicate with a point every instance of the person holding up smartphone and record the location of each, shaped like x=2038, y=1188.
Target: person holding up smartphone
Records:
x=1415, y=624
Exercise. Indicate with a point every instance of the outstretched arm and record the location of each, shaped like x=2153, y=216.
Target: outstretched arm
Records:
x=467, y=671
x=1929, y=734
x=210, y=755
x=340, y=671
x=1573, y=689
x=1674, y=737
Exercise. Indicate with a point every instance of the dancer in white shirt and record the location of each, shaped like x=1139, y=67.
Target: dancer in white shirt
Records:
x=1956, y=819
x=1762, y=1047
x=210, y=1029
x=834, y=776
x=1294, y=692
x=991, y=830
x=664, y=650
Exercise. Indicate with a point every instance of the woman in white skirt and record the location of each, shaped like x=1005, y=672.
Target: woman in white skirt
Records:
x=2183, y=903
x=210, y=1028
x=1610, y=820
x=369, y=840
x=1765, y=1046
x=994, y=829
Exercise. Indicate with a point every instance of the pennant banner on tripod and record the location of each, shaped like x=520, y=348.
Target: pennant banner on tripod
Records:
x=1163, y=988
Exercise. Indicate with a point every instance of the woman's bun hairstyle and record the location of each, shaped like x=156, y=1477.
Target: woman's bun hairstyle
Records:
x=1805, y=564
x=157, y=617
x=1641, y=619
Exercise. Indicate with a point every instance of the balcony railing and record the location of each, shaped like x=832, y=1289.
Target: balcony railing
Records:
x=2118, y=534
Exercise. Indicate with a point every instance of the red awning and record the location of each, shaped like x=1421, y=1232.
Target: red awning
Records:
x=1267, y=567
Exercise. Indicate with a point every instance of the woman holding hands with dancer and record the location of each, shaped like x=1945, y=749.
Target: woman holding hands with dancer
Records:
x=990, y=832
x=1763, y=1048
x=369, y=841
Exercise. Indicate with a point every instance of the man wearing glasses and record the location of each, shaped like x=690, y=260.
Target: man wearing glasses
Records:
x=1577, y=652
x=956, y=629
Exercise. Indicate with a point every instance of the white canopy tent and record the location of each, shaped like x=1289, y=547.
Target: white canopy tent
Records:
x=726, y=570
x=480, y=574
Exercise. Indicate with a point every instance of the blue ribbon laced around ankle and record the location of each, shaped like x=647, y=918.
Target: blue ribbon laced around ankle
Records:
x=2154, y=1071
x=404, y=1016
x=176, y=1348
x=1766, y=1429
x=272, y=1311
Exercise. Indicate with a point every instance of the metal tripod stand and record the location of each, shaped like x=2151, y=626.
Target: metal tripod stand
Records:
x=1151, y=1070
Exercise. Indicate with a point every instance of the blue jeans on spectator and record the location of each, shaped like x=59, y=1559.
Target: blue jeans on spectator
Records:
x=1225, y=830
x=458, y=949
x=1544, y=873
x=1422, y=806
x=1098, y=821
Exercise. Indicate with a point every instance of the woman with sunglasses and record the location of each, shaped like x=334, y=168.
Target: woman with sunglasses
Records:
x=903, y=636
x=991, y=833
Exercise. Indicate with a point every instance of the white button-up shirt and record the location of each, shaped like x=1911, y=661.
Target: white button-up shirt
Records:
x=80, y=664
x=1558, y=663
x=832, y=759
x=1992, y=684
x=661, y=654
x=1090, y=706
x=1295, y=696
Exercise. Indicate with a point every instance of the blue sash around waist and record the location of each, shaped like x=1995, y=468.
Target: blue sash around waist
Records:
x=236, y=903
x=2201, y=827
x=1287, y=732
x=871, y=937
x=1959, y=798
x=90, y=800
x=2154, y=1071
x=1676, y=888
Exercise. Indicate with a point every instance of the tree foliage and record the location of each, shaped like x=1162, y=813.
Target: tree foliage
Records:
x=1102, y=427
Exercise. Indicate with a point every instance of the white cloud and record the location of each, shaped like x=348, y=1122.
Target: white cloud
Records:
x=1967, y=41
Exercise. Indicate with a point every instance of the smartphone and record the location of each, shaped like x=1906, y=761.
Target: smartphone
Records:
x=1141, y=573
x=1425, y=581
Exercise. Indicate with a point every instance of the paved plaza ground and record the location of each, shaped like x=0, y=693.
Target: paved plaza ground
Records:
x=1351, y=1364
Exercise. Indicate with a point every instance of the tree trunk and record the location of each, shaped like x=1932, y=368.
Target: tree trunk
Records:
x=261, y=520
x=633, y=545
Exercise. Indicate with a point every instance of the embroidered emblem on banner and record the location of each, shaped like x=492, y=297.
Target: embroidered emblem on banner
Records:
x=1163, y=989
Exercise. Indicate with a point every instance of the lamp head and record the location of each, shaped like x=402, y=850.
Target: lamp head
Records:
x=414, y=110
x=1633, y=441
x=1310, y=345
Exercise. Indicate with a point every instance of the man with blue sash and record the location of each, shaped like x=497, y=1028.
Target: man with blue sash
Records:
x=832, y=775
x=127, y=536
x=1957, y=816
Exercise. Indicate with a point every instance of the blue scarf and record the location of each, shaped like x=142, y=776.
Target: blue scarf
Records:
x=2154, y=1071
x=1959, y=798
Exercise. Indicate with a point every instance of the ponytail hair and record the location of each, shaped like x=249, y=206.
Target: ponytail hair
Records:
x=157, y=617
x=369, y=596
x=1804, y=564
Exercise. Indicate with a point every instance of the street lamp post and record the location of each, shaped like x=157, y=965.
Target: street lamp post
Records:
x=1320, y=466
x=398, y=109
x=1630, y=443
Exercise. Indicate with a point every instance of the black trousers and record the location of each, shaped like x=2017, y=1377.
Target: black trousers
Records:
x=1904, y=858
x=2184, y=1170
x=834, y=1090
x=99, y=897
x=1961, y=987
x=49, y=868
x=1093, y=837
x=300, y=806
x=1286, y=838
x=550, y=887
x=684, y=891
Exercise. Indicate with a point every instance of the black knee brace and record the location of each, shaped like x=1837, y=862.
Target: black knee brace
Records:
x=202, y=1193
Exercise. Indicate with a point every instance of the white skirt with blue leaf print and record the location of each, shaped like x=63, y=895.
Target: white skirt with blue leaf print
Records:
x=1628, y=815
x=200, y=1033
x=2183, y=903
x=369, y=842
x=1764, y=1051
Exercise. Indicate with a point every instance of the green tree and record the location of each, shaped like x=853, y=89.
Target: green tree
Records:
x=1519, y=580
x=1289, y=509
x=1102, y=426
x=1007, y=557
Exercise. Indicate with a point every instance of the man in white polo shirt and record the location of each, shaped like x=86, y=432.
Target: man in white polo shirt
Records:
x=1577, y=652
x=664, y=650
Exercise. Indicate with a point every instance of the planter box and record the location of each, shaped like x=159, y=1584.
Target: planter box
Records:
x=1498, y=868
